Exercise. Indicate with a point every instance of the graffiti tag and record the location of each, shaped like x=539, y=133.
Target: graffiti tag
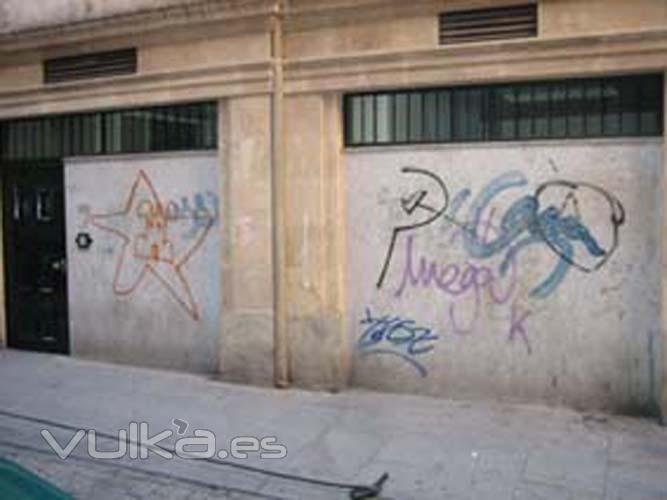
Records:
x=396, y=336
x=146, y=227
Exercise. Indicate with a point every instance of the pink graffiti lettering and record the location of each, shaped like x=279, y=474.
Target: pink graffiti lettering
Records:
x=460, y=282
x=455, y=280
x=517, y=319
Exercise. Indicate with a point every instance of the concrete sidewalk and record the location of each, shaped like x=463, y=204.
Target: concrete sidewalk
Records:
x=432, y=449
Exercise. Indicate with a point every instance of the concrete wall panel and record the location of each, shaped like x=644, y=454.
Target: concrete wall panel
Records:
x=147, y=291
x=518, y=271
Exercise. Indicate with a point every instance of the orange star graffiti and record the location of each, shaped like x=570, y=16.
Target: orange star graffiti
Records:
x=146, y=227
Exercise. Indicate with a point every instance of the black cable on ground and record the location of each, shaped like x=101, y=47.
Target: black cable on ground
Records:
x=357, y=492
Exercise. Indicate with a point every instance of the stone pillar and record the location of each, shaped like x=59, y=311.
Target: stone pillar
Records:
x=315, y=254
x=246, y=343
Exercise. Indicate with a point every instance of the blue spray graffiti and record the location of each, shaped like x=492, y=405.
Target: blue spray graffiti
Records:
x=396, y=336
x=525, y=224
x=200, y=209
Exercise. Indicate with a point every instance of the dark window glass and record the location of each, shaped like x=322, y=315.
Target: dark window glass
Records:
x=459, y=114
x=368, y=113
x=541, y=114
x=575, y=115
x=174, y=135
x=444, y=125
x=650, y=107
x=558, y=110
x=611, y=108
x=475, y=125
x=159, y=129
x=76, y=131
x=593, y=106
x=415, y=110
x=401, y=117
x=525, y=111
x=430, y=116
x=385, y=112
x=115, y=130
x=86, y=135
x=505, y=110
x=629, y=107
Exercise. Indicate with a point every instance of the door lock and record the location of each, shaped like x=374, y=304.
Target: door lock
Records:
x=59, y=265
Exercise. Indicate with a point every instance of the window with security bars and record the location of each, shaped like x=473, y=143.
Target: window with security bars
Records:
x=561, y=109
x=139, y=130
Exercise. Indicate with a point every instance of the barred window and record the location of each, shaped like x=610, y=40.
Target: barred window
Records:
x=622, y=106
x=138, y=130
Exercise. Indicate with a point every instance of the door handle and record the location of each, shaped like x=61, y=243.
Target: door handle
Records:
x=59, y=265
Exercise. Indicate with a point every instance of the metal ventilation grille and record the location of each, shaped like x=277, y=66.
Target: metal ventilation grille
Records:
x=463, y=26
x=99, y=64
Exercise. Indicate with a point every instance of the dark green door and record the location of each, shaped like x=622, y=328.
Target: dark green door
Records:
x=35, y=265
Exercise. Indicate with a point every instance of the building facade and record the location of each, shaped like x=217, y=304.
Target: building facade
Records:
x=456, y=198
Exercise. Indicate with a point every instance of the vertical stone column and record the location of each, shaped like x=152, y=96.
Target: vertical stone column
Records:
x=246, y=342
x=315, y=253
x=281, y=334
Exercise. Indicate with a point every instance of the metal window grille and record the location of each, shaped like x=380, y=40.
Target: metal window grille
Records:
x=622, y=106
x=140, y=130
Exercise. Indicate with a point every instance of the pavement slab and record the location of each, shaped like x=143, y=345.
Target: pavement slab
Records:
x=432, y=449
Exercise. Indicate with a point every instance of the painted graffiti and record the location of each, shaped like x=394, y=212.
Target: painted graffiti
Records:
x=415, y=202
x=517, y=327
x=549, y=217
x=557, y=226
x=396, y=336
x=462, y=284
x=199, y=209
x=148, y=230
x=493, y=238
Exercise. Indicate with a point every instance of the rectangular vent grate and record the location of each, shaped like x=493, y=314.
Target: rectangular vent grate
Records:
x=463, y=26
x=99, y=64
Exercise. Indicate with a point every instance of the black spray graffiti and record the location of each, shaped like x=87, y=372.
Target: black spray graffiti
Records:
x=410, y=204
x=576, y=190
